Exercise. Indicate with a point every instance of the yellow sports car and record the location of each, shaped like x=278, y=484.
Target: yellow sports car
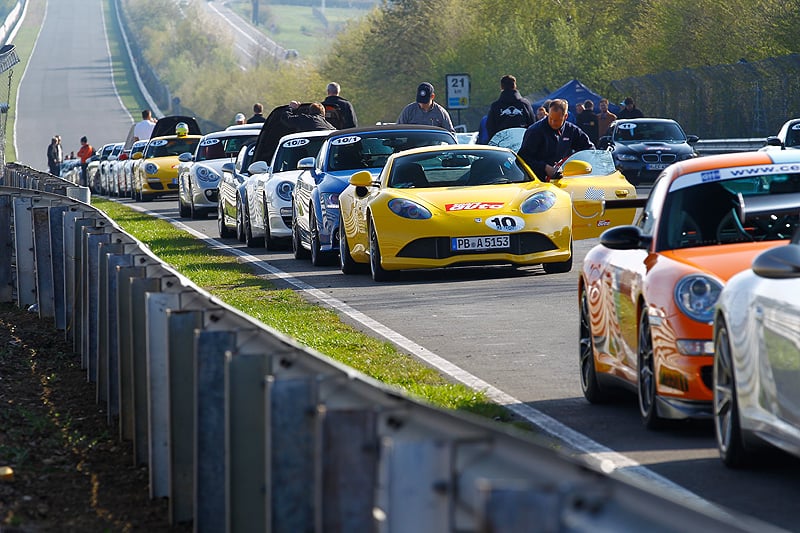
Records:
x=443, y=206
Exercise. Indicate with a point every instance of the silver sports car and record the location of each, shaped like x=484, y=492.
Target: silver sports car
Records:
x=757, y=357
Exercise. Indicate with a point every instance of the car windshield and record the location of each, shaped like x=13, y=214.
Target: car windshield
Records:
x=222, y=147
x=601, y=161
x=456, y=169
x=649, y=132
x=170, y=147
x=138, y=148
x=371, y=150
x=293, y=150
x=793, y=135
x=752, y=208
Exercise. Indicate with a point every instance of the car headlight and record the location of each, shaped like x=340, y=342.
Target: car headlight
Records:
x=284, y=191
x=329, y=200
x=627, y=157
x=408, y=209
x=696, y=295
x=538, y=202
x=206, y=174
x=151, y=168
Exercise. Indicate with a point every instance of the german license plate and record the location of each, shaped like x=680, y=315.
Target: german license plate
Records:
x=494, y=242
x=656, y=166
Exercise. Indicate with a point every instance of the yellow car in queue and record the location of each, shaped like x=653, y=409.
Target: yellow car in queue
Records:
x=156, y=173
x=443, y=206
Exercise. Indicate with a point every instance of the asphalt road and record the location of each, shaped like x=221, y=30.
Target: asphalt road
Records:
x=511, y=331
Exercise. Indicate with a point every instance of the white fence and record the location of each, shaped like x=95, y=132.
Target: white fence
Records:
x=242, y=429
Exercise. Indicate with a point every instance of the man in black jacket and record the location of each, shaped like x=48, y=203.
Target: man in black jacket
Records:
x=552, y=139
x=339, y=111
x=510, y=110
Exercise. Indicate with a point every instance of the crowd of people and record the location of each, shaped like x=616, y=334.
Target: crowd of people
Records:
x=549, y=135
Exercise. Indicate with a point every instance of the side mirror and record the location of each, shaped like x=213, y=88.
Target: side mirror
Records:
x=774, y=141
x=112, y=158
x=625, y=238
x=229, y=167
x=361, y=179
x=137, y=156
x=781, y=262
x=691, y=139
x=258, y=167
x=576, y=167
x=185, y=157
x=307, y=163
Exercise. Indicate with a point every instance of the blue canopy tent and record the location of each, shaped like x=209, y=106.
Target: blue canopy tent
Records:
x=575, y=92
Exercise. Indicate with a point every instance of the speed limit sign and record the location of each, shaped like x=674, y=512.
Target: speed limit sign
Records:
x=457, y=91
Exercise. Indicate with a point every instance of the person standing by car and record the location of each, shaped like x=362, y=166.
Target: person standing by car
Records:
x=239, y=119
x=258, y=114
x=587, y=121
x=54, y=156
x=549, y=141
x=630, y=110
x=604, y=117
x=510, y=110
x=313, y=120
x=339, y=111
x=84, y=153
x=144, y=128
x=425, y=111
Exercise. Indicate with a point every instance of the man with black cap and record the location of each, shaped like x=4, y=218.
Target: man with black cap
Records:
x=630, y=110
x=425, y=111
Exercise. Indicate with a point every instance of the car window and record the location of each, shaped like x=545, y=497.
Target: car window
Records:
x=170, y=147
x=452, y=169
x=649, y=131
x=793, y=135
x=372, y=150
x=742, y=209
x=293, y=150
x=601, y=161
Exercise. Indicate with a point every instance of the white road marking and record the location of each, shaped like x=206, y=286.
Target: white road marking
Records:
x=608, y=460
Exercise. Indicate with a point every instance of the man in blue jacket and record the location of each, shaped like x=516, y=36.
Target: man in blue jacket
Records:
x=550, y=140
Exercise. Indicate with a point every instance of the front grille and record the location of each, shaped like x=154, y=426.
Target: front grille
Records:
x=439, y=247
x=155, y=185
x=287, y=219
x=658, y=158
x=707, y=375
x=172, y=186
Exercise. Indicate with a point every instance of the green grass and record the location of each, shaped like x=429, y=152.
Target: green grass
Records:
x=312, y=325
x=297, y=27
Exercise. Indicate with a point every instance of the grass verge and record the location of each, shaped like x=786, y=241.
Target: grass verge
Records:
x=312, y=325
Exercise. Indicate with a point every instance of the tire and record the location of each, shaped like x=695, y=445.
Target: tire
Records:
x=646, y=382
x=375, y=267
x=346, y=262
x=561, y=267
x=297, y=242
x=183, y=209
x=318, y=257
x=727, y=427
x=223, y=230
x=592, y=390
x=240, y=236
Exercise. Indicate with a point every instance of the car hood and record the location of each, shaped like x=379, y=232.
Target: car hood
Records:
x=655, y=146
x=469, y=200
x=214, y=164
x=721, y=261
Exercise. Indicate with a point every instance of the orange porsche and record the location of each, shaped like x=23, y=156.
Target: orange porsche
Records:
x=647, y=292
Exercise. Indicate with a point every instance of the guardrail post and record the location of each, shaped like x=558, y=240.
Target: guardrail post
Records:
x=291, y=463
x=104, y=318
x=246, y=444
x=125, y=340
x=6, y=250
x=75, y=325
x=181, y=333
x=57, y=255
x=158, y=387
x=140, y=287
x=91, y=311
x=23, y=251
x=43, y=273
x=209, y=490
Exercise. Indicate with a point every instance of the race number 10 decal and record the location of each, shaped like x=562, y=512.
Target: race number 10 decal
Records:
x=506, y=223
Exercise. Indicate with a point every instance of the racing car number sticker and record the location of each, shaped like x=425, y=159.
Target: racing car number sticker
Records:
x=295, y=143
x=158, y=142
x=627, y=126
x=346, y=140
x=209, y=142
x=506, y=223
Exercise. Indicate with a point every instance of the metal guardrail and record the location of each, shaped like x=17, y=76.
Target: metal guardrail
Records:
x=242, y=429
x=724, y=146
